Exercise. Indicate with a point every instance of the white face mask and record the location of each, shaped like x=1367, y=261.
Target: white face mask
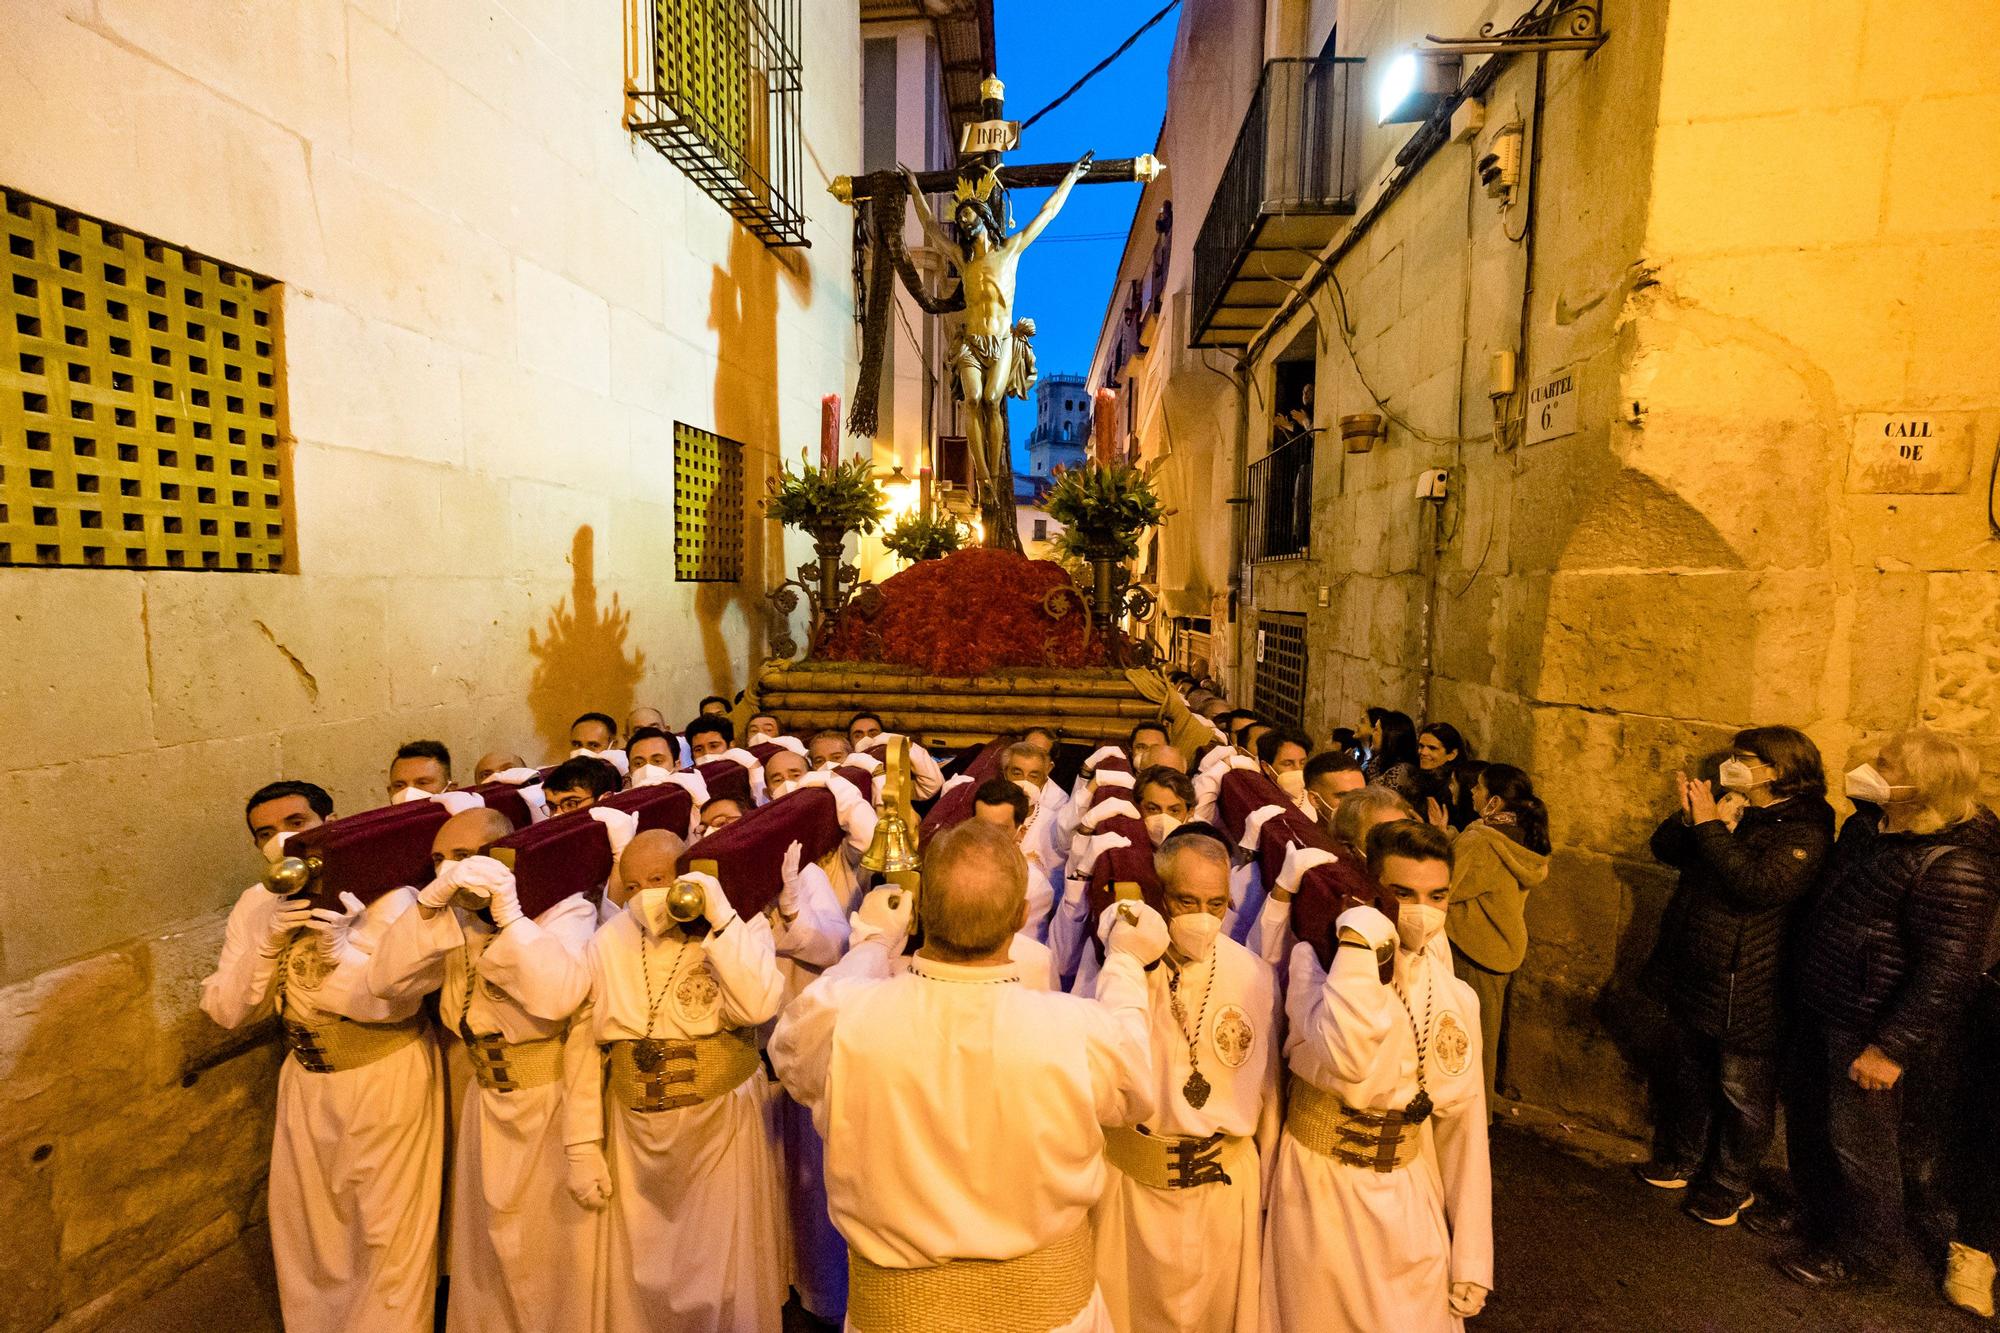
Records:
x=1735, y=775
x=650, y=775
x=409, y=794
x=274, y=846
x=1292, y=782
x=1417, y=924
x=1028, y=785
x=649, y=908
x=1158, y=826
x=1193, y=933
x=783, y=787
x=1865, y=784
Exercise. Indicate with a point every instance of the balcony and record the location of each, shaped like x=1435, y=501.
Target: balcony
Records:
x=1281, y=501
x=1292, y=178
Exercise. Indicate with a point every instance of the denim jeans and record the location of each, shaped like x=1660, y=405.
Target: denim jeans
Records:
x=1721, y=1108
x=1846, y=1151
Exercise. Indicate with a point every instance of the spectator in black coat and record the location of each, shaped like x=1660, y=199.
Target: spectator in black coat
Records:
x=1392, y=754
x=1890, y=955
x=1720, y=957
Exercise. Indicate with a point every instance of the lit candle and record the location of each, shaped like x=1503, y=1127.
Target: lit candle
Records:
x=1104, y=427
x=829, y=432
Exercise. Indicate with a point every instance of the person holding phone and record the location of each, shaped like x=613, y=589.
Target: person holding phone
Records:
x=1721, y=947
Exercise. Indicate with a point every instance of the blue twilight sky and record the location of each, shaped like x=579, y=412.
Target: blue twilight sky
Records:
x=1044, y=46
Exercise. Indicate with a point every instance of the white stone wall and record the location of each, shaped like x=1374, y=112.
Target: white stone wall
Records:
x=496, y=305
x=1749, y=234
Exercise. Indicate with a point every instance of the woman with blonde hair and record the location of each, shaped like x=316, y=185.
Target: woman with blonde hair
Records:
x=1890, y=956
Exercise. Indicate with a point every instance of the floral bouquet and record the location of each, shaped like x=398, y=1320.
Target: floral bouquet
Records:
x=924, y=537
x=1103, y=508
x=823, y=501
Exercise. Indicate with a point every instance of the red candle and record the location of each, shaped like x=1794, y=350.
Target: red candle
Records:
x=829, y=432
x=923, y=490
x=1104, y=427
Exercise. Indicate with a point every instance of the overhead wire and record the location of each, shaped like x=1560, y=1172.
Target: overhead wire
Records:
x=1103, y=64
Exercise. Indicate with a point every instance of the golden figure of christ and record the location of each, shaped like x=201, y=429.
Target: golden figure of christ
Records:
x=988, y=360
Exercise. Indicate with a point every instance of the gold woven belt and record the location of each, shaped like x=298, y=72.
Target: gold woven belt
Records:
x=656, y=1074
x=503, y=1066
x=341, y=1044
x=1034, y=1293
x=1162, y=1162
x=1379, y=1140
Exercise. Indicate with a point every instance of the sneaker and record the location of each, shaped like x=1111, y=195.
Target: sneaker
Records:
x=1665, y=1175
x=1968, y=1280
x=1773, y=1217
x=1826, y=1270
x=1717, y=1207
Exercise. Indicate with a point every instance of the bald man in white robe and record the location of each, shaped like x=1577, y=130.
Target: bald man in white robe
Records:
x=1381, y=1210
x=666, y=1131
x=523, y=1251
x=1177, y=1229
x=962, y=1111
x=358, y=1151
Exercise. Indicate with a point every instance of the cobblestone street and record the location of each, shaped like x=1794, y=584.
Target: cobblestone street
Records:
x=1583, y=1248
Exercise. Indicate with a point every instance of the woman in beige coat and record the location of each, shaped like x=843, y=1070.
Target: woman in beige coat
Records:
x=1495, y=861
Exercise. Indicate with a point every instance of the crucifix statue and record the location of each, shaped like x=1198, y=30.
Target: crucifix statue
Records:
x=991, y=358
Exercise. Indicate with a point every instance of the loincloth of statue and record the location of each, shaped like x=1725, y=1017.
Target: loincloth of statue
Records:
x=985, y=351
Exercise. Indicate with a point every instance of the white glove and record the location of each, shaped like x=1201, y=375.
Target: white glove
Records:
x=589, y=1177
x=715, y=904
x=884, y=915
x=505, y=904
x=291, y=914
x=439, y=893
x=335, y=928
x=1368, y=925
x=1467, y=1299
x=862, y=760
x=1132, y=927
x=788, y=875
x=478, y=880
x=517, y=777
x=1299, y=859
x=620, y=825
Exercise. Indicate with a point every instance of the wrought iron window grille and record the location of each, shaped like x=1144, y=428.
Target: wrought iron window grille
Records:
x=141, y=401
x=715, y=86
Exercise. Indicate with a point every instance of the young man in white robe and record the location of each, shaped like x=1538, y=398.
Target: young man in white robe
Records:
x=664, y=1106
x=961, y=1111
x=357, y=1152
x=1190, y=1180
x=522, y=1250
x=1381, y=1210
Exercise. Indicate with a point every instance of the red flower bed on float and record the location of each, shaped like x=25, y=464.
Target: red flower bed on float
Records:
x=966, y=614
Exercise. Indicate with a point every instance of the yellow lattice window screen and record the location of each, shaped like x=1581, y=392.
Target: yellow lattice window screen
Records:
x=140, y=409
x=708, y=507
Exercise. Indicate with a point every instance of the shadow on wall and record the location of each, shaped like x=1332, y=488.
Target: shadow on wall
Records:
x=743, y=311
x=581, y=663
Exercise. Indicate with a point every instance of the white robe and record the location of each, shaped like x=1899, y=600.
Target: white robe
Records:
x=523, y=1250
x=961, y=1110
x=356, y=1155
x=1187, y=1260
x=1351, y=1250
x=694, y=1231
x=811, y=943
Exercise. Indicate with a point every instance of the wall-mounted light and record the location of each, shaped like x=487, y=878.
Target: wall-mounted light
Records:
x=1414, y=85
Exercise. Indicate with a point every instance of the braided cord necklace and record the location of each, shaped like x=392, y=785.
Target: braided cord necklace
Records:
x=649, y=1052
x=1420, y=1105
x=1196, y=1089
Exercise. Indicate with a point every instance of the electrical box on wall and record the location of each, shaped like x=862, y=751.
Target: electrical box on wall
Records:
x=1500, y=164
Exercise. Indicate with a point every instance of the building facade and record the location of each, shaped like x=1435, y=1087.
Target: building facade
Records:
x=1634, y=396
x=518, y=380
x=1062, y=424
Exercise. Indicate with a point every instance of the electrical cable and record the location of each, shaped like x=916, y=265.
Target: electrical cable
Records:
x=1101, y=65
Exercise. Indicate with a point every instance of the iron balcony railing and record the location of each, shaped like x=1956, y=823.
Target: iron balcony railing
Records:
x=1281, y=486
x=714, y=86
x=1295, y=170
